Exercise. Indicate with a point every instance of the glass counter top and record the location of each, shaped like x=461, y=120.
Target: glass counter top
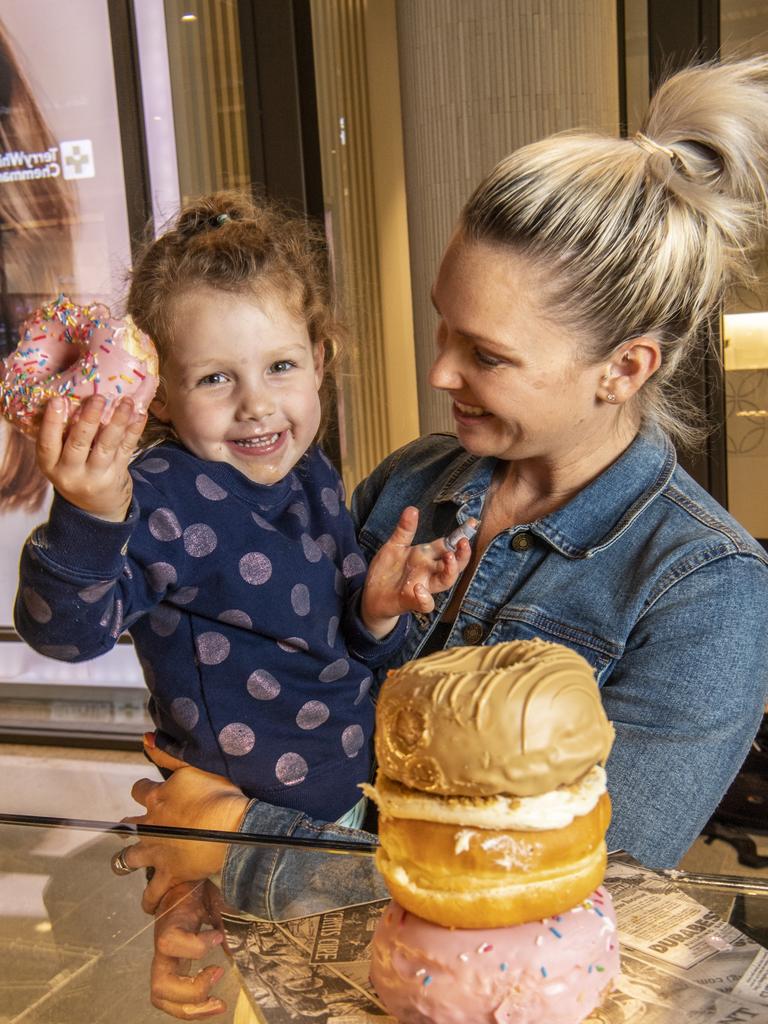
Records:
x=77, y=946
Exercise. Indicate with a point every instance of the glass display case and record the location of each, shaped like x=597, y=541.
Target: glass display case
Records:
x=77, y=946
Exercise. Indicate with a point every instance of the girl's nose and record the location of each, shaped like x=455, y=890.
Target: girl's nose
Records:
x=255, y=403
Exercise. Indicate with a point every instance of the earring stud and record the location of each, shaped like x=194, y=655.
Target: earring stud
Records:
x=610, y=397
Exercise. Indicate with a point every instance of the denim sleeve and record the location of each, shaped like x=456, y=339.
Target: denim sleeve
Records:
x=686, y=700
x=276, y=883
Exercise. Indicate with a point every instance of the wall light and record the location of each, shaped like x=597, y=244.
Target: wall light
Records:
x=745, y=341
x=189, y=17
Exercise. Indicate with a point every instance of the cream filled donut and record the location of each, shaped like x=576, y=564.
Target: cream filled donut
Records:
x=492, y=800
x=555, y=971
x=75, y=352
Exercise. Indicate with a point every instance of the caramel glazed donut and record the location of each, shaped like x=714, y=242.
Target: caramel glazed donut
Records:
x=493, y=803
x=75, y=352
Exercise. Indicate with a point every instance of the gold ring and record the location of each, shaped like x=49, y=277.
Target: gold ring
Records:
x=118, y=864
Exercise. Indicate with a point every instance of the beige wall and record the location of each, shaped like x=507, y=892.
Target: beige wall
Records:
x=479, y=79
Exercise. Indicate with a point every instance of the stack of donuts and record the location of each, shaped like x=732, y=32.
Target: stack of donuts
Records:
x=492, y=817
x=74, y=352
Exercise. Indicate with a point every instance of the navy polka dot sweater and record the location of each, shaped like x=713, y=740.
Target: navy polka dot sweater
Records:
x=241, y=600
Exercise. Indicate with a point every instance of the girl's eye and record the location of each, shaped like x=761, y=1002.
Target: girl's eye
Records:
x=213, y=378
x=282, y=366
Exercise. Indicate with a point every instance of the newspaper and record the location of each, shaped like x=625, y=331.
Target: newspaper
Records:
x=680, y=963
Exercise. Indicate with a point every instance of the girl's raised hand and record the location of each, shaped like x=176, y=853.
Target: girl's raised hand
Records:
x=402, y=577
x=87, y=462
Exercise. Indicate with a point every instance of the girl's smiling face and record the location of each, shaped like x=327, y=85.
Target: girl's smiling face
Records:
x=241, y=384
x=519, y=387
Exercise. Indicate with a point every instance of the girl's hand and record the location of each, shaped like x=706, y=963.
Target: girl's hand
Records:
x=88, y=463
x=190, y=798
x=403, y=578
x=180, y=936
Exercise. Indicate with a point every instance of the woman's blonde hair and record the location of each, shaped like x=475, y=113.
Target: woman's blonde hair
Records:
x=642, y=236
x=230, y=242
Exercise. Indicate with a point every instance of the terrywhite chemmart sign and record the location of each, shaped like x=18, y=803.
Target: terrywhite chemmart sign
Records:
x=68, y=160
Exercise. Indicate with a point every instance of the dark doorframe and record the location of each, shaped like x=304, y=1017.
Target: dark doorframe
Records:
x=679, y=33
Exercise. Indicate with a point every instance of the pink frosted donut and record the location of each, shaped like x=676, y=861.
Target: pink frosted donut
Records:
x=76, y=352
x=555, y=971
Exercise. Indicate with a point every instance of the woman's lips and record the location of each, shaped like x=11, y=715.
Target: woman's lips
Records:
x=468, y=413
x=253, y=447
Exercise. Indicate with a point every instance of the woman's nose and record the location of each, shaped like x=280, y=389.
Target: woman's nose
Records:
x=444, y=374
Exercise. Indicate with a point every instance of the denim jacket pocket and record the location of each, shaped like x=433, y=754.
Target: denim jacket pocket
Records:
x=526, y=622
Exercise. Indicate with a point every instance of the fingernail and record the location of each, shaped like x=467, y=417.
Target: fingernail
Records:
x=211, y=1006
x=217, y=974
x=57, y=404
x=216, y=939
x=150, y=740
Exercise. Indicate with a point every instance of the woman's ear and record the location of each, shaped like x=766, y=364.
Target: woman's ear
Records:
x=629, y=368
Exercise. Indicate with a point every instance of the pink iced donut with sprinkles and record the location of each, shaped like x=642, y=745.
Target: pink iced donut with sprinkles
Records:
x=554, y=971
x=76, y=352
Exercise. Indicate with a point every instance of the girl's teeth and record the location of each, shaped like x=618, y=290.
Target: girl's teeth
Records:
x=470, y=410
x=258, y=442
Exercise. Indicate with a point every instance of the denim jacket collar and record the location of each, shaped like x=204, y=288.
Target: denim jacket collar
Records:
x=599, y=513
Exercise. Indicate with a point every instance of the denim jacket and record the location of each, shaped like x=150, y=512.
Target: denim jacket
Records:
x=642, y=573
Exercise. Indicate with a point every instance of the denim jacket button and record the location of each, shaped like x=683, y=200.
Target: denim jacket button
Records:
x=472, y=634
x=521, y=541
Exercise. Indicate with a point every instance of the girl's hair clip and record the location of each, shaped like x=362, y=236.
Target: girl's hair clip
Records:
x=220, y=219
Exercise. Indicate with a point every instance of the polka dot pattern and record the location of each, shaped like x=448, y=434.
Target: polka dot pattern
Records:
x=235, y=617
x=291, y=644
x=291, y=769
x=255, y=568
x=237, y=739
x=212, y=648
x=37, y=607
x=262, y=685
x=330, y=499
x=61, y=652
x=95, y=591
x=300, y=599
x=312, y=550
x=364, y=690
x=185, y=595
x=336, y=670
x=352, y=740
x=352, y=565
x=163, y=620
x=262, y=522
x=155, y=465
x=160, y=575
x=163, y=525
x=209, y=488
x=333, y=629
x=299, y=510
x=312, y=714
x=199, y=540
x=185, y=713
x=327, y=545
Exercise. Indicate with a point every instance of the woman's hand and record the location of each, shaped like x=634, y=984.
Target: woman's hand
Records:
x=190, y=798
x=88, y=462
x=402, y=578
x=179, y=938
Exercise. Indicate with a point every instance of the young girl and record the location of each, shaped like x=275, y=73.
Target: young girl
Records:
x=226, y=549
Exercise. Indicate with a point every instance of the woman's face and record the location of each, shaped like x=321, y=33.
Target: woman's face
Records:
x=518, y=387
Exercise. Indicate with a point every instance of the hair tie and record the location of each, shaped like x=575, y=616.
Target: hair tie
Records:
x=650, y=146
